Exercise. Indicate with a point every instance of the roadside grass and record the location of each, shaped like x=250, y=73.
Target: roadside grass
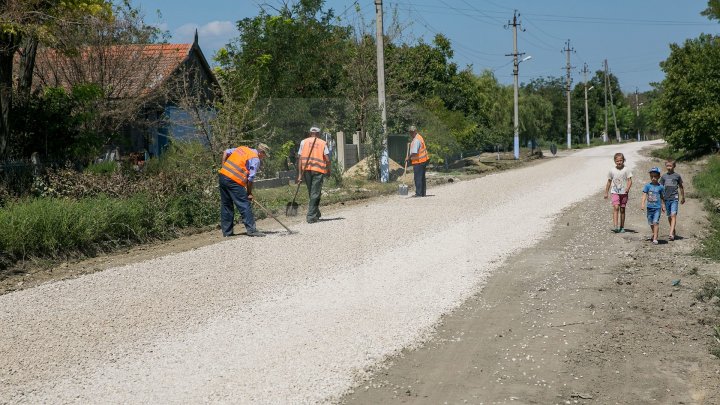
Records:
x=57, y=228
x=707, y=184
x=670, y=153
x=61, y=227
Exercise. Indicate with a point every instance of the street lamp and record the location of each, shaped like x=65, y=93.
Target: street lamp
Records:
x=516, y=125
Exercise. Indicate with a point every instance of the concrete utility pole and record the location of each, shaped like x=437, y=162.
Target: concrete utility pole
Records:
x=567, y=50
x=612, y=102
x=380, y=44
x=606, y=137
x=587, y=119
x=637, y=112
x=516, y=65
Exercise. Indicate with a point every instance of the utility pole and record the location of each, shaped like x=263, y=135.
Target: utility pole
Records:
x=612, y=104
x=516, y=68
x=380, y=44
x=606, y=137
x=587, y=119
x=567, y=50
x=637, y=112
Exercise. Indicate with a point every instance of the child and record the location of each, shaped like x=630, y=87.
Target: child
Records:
x=620, y=181
x=672, y=182
x=654, y=195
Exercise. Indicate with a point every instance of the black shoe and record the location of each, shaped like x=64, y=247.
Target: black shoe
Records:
x=311, y=221
x=229, y=235
x=256, y=234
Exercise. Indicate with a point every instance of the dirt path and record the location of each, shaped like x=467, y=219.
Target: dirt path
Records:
x=302, y=319
x=585, y=316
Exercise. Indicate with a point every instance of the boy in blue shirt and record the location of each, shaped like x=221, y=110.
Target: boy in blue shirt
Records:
x=654, y=196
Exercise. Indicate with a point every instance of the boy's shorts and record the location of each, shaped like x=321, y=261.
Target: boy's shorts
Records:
x=620, y=199
x=653, y=216
x=671, y=207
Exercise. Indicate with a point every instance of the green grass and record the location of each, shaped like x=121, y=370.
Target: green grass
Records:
x=707, y=184
x=55, y=228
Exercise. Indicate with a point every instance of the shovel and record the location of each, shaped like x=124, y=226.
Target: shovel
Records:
x=273, y=216
x=291, y=208
x=403, y=188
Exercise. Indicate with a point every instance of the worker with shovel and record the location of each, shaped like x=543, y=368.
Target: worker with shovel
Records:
x=236, y=178
x=313, y=164
x=418, y=159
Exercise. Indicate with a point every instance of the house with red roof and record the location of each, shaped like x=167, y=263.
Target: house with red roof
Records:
x=148, y=88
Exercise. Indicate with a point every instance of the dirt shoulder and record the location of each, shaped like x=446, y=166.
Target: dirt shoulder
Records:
x=586, y=316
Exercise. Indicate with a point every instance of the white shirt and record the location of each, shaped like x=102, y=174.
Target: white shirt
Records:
x=619, y=179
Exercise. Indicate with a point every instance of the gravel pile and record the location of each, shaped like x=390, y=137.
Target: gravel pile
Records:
x=282, y=319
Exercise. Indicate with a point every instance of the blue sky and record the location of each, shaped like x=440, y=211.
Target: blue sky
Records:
x=633, y=35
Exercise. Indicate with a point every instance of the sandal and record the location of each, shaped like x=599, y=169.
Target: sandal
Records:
x=671, y=237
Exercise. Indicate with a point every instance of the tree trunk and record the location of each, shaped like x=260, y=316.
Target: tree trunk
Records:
x=27, y=67
x=8, y=46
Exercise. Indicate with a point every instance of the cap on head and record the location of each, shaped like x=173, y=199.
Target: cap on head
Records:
x=654, y=170
x=264, y=148
x=314, y=129
x=412, y=128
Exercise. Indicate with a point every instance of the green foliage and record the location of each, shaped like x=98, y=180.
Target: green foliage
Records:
x=273, y=51
x=708, y=181
x=689, y=108
x=712, y=12
x=668, y=153
x=708, y=185
x=60, y=124
x=102, y=168
x=100, y=209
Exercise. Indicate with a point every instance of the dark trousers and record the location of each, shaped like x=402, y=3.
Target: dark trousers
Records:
x=419, y=177
x=313, y=181
x=234, y=195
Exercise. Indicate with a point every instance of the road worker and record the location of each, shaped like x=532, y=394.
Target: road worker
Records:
x=313, y=165
x=236, y=177
x=418, y=159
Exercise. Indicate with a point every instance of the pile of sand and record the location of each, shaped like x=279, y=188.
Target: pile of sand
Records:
x=360, y=170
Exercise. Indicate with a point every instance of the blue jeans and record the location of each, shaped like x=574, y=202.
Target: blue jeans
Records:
x=419, y=177
x=234, y=195
x=653, y=215
x=671, y=207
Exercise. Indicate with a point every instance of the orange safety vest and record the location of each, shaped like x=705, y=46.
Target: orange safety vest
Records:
x=313, y=160
x=235, y=166
x=422, y=155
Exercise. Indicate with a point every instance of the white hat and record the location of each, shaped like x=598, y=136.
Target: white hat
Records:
x=315, y=129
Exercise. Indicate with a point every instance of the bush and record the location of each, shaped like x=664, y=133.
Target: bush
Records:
x=708, y=185
x=97, y=210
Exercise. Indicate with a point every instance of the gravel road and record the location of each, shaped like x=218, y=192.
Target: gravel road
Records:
x=283, y=319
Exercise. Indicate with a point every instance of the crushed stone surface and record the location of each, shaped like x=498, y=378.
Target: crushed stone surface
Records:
x=283, y=319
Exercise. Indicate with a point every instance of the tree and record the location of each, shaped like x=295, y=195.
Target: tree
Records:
x=552, y=89
x=22, y=19
x=535, y=117
x=712, y=11
x=689, y=108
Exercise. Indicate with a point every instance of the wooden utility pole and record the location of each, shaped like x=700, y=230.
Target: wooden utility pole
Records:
x=567, y=50
x=587, y=119
x=380, y=45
